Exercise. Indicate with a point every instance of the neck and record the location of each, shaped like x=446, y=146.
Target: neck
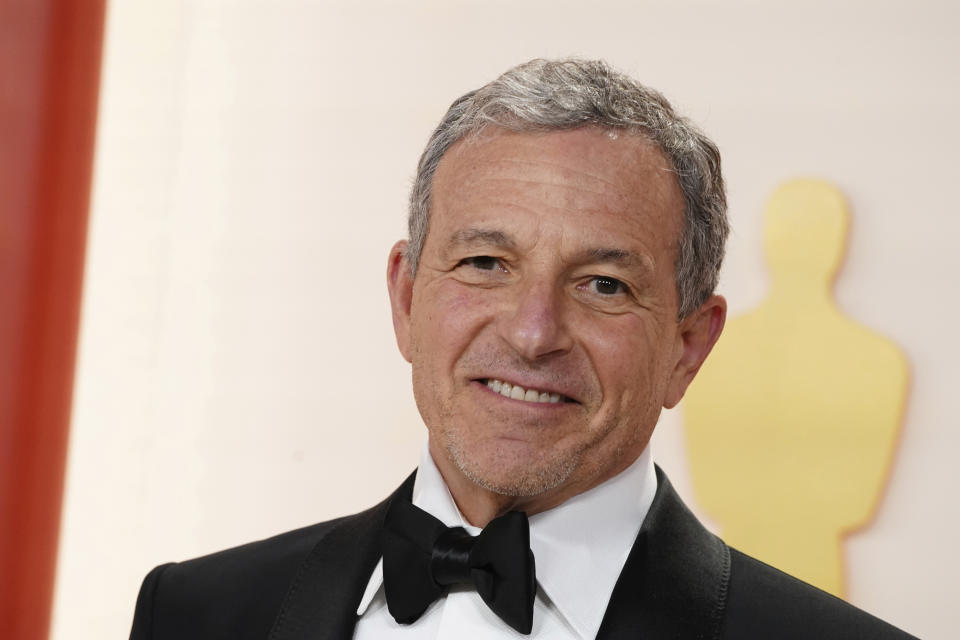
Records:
x=479, y=505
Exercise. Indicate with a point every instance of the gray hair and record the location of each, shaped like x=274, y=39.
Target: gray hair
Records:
x=545, y=95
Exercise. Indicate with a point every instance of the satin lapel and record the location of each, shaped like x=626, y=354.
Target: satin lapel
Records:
x=674, y=583
x=322, y=601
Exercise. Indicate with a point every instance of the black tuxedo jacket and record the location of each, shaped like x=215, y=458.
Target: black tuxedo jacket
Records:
x=679, y=582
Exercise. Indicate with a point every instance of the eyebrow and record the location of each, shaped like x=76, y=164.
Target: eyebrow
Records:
x=479, y=236
x=624, y=258
x=620, y=257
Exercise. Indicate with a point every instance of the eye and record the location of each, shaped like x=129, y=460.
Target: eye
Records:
x=483, y=263
x=607, y=286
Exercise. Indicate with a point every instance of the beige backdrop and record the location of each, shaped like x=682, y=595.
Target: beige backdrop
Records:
x=237, y=372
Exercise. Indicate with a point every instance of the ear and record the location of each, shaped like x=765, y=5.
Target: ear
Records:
x=400, y=286
x=697, y=334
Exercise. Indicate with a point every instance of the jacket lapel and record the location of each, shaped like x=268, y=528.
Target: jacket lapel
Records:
x=674, y=582
x=322, y=601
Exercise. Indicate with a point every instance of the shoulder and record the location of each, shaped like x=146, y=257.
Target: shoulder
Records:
x=241, y=593
x=763, y=602
x=234, y=593
x=689, y=583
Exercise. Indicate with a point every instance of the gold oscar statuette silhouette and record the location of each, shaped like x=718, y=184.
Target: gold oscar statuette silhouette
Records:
x=792, y=422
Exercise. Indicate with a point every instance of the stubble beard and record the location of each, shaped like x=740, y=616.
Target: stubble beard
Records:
x=510, y=475
x=493, y=467
x=497, y=471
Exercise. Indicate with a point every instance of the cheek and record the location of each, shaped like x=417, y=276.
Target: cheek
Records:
x=446, y=318
x=628, y=355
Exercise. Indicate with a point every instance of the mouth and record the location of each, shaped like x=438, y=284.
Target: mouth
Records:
x=516, y=392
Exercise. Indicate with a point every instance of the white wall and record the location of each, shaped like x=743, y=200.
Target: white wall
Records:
x=237, y=373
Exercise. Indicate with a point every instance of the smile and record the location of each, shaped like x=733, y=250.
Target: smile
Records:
x=516, y=392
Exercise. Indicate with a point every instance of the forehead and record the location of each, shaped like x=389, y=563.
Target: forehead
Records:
x=581, y=179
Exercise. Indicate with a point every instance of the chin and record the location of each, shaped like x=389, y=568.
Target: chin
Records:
x=509, y=471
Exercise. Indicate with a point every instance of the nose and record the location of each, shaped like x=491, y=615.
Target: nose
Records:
x=536, y=324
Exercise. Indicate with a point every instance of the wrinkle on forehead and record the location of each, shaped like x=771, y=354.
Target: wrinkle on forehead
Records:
x=478, y=181
x=626, y=159
x=561, y=174
x=626, y=146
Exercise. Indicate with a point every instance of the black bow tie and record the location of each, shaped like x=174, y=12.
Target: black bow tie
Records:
x=422, y=557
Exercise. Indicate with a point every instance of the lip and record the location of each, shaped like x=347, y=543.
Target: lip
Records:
x=567, y=396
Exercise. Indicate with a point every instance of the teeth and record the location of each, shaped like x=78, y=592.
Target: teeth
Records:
x=519, y=393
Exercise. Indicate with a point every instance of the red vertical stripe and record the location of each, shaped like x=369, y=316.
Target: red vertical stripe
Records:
x=49, y=78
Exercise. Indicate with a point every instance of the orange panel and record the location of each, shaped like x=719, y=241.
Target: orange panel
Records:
x=49, y=77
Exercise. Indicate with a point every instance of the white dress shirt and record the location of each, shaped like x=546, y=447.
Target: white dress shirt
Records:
x=579, y=548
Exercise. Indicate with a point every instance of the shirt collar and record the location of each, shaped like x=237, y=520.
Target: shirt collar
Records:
x=571, y=550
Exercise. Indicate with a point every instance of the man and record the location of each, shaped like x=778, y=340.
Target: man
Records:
x=566, y=231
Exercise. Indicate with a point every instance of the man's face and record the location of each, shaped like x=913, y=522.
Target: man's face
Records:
x=548, y=267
